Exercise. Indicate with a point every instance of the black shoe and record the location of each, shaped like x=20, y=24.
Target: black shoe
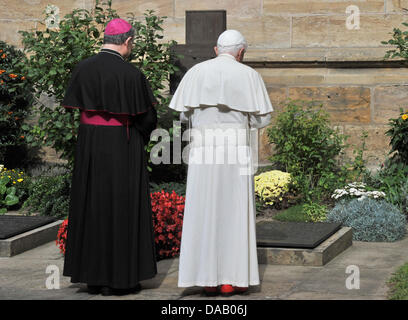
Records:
x=94, y=289
x=108, y=291
x=136, y=289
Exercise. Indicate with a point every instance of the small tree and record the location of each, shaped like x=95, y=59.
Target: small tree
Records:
x=54, y=53
x=308, y=148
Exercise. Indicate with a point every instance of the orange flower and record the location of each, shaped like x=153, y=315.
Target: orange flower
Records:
x=23, y=78
x=1, y=51
x=4, y=55
x=16, y=118
x=12, y=75
x=1, y=71
x=22, y=137
x=10, y=112
x=1, y=82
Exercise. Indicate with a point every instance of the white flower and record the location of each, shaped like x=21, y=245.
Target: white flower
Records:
x=1, y=167
x=52, y=14
x=52, y=10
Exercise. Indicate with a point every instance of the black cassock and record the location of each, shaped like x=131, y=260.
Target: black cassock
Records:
x=110, y=239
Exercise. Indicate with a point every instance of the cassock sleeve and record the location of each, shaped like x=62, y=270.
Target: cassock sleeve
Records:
x=146, y=122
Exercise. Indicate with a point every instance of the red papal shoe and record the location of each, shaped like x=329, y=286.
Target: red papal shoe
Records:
x=240, y=290
x=210, y=291
x=227, y=290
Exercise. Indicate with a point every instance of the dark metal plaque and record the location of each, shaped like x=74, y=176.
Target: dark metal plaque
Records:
x=294, y=234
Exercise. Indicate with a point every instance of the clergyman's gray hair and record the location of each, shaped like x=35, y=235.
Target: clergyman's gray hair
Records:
x=233, y=49
x=118, y=38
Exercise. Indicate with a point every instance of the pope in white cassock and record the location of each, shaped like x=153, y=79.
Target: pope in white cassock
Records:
x=222, y=99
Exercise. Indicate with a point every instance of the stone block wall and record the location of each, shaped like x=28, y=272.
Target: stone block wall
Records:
x=302, y=48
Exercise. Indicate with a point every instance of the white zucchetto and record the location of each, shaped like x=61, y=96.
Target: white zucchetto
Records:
x=231, y=38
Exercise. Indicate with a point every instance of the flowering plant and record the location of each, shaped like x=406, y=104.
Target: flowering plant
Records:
x=15, y=99
x=270, y=186
x=357, y=189
x=398, y=132
x=168, y=222
x=62, y=236
x=12, y=188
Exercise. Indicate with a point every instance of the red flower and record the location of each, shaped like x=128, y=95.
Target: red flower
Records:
x=62, y=236
x=167, y=209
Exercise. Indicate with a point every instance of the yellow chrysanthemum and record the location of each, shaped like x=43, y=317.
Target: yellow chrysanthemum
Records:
x=20, y=180
x=271, y=184
x=404, y=117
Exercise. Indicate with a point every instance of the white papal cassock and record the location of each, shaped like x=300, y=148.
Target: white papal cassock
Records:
x=218, y=244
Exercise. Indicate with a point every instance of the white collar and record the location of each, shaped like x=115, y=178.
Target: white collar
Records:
x=227, y=55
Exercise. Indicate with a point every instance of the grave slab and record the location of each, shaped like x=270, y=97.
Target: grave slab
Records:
x=29, y=240
x=318, y=256
x=294, y=234
x=12, y=225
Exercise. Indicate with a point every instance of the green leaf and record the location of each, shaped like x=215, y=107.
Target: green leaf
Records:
x=11, y=190
x=11, y=200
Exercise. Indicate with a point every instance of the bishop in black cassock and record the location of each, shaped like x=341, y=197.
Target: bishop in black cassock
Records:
x=110, y=241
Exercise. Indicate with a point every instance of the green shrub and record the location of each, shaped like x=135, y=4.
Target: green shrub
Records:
x=392, y=180
x=398, y=137
x=15, y=100
x=179, y=188
x=49, y=195
x=371, y=219
x=315, y=211
x=308, y=148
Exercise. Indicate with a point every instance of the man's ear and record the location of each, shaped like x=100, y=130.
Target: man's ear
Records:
x=241, y=53
x=128, y=41
x=216, y=50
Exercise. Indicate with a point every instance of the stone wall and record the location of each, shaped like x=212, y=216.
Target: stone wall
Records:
x=302, y=48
